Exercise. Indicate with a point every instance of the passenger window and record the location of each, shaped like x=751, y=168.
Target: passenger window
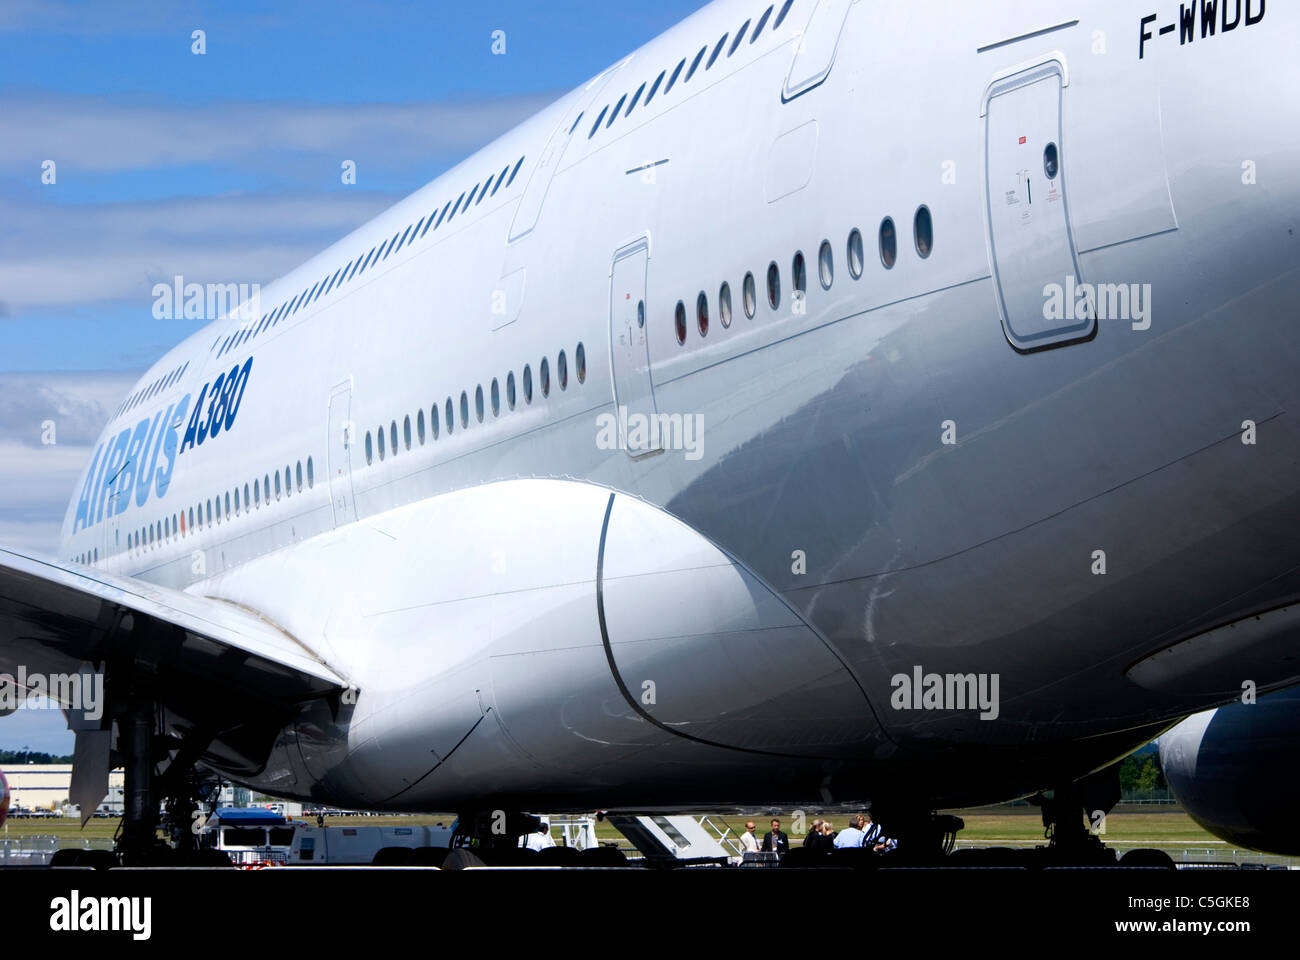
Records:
x=826, y=265
x=380, y=431
x=510, y=389
x=636, y=98
x=464, y=409
x=580, y=357
x=478, y=402
x=679, y=318
x=740, y=35
x=392, y=435
x=311, y=475
x=614, y=115
x=451, y=418
x=655, y=88
x=676, y=73
x=780, y=17
x=528, y=384
x=702, y=313
x=888, y=243
x=496, y=398
x=773, y=285
x=923, y=230
x=562, y=370
x=544, y=377
x=855, y=253
x=419, y=426
x=800, y=271
x=695, y=64
x=749, y=295
x=406, y=431
x=433, y=421
x=724, y=305
x=714, y=56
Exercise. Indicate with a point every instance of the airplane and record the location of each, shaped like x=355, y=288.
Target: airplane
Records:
x=830, y=403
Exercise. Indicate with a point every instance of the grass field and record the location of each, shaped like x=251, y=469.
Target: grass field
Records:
x=1171, y=830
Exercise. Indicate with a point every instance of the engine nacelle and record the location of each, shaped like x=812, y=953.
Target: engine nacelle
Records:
x=1234, y=771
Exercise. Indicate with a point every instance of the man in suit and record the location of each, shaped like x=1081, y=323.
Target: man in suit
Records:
x=774, y=839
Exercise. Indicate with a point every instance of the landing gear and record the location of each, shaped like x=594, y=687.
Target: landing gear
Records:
x=137, y=840
x=493, y=830
x=176, y=790
x=1074, y=819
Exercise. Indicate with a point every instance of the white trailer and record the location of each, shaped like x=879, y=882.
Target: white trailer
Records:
x=358, y=845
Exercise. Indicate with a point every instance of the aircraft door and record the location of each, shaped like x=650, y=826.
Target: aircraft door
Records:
x=1032, y=254
x=815, y=50
x=629, y=345
x=339, y=452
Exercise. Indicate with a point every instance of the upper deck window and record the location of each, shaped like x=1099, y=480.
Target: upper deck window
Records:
x=695, y=64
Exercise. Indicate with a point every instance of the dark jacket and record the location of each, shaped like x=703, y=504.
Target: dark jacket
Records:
x=781, y=845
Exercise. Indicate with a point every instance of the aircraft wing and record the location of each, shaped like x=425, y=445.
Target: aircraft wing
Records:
x=57, y=615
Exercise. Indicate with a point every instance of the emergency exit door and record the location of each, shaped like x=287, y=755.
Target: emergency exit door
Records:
x=629, y=345
x=338, y=450
x=1035, y=267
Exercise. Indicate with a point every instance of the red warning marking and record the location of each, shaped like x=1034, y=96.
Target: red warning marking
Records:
x=1023, y=139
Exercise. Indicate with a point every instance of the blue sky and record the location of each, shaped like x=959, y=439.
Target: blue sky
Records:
x=223, y=167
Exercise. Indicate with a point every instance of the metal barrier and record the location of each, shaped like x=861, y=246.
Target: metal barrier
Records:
x=27, y=851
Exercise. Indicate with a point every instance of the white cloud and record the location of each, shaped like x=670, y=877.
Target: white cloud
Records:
x=37, y=480
x=67, y=255
x=99, y=134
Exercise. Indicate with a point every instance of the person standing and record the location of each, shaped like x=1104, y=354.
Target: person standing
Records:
x=748, y=841
x=776, y=841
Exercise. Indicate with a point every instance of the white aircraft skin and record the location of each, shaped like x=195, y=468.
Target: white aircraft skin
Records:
x=533, y=620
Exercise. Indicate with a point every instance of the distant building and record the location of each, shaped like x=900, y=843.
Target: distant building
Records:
x=47, y=786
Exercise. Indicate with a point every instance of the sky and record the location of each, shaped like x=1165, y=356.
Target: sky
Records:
x=127, y=157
